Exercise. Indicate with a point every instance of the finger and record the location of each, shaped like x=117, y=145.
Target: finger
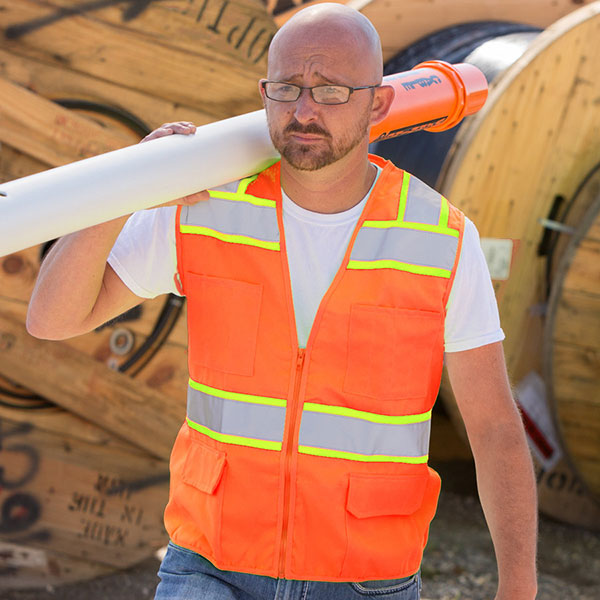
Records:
x=182, y=127
x=185, y=128
x=161, y=132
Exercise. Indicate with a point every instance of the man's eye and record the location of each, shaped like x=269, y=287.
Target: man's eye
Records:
x=330, y=90
x=285, y=89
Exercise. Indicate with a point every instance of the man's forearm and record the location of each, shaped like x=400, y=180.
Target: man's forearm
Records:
x=507, y=490
x=70, y=280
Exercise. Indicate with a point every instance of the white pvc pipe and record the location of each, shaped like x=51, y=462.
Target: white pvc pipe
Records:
x=34, y=209
x=47, y=205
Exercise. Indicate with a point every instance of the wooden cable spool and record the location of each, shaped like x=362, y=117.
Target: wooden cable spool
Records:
x=532, y=145
x=510, y=168
x=572, y=339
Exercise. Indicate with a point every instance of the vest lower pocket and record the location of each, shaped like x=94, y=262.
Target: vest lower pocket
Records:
x=203, y=468
x=384, y=540
x=380, y=495
x=391, y=351
x=223, y=319
x=198, y=489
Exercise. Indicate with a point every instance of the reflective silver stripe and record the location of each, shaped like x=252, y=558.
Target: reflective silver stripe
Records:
x=233, y=217
x=423, y=204
x=242, y=418
x=422, y=248
x=360, y=436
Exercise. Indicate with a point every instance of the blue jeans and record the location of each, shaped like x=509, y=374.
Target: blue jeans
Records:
x=186, y=575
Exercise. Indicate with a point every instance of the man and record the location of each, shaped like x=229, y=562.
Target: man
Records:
x=322, y=294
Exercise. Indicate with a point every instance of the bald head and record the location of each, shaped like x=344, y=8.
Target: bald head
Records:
x=321, y=25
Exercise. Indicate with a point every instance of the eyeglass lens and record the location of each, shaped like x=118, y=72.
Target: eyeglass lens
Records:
x=323, y=94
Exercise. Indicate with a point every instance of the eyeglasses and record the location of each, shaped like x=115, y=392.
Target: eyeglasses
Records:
x=321, y=94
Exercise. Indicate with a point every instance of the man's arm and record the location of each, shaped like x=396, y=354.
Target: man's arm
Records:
x=505, y=476
x=77, y=290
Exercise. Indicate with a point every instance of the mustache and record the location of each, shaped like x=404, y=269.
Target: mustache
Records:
x=296, y=127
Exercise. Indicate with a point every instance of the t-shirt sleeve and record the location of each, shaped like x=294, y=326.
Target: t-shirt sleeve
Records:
x=144, y=255
x=472, y=318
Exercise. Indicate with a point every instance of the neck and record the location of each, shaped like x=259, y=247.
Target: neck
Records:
x=332, y=189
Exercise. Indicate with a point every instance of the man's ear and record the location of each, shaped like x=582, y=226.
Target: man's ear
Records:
x=261, y=90
x=382, y=102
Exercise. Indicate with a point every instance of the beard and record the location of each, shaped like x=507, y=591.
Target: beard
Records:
x=314, y=156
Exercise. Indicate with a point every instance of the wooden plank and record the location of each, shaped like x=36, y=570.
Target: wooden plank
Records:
x=573, y=212
x=63, y=423
x=55, y=81
x=237, y=30
x=24, y=567
x=80, y=384
x=85, y=500
x=15, y=164
x=574, y=353
x=202, y=79
x=577, y=320
x=166, y=372
x=18, y=273
x=576, y=376
x=579, y=425
x=562, y=496
x=584, y=272
x=48, y=132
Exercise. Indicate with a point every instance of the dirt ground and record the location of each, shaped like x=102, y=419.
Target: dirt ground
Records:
x=458, y=563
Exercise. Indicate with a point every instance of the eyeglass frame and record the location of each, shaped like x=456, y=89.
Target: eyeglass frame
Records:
x=351, y=89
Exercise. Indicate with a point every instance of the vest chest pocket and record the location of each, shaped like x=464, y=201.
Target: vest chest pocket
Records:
x=391, y=351
x=223, y=318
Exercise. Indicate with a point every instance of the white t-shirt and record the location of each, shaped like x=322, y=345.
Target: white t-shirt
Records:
x=144, y=257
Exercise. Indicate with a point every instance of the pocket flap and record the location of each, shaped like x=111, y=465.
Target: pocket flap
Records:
x=203, y=467
x=379, y=495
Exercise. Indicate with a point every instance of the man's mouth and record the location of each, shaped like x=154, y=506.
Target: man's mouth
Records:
x=306, y=137
x=309, y=133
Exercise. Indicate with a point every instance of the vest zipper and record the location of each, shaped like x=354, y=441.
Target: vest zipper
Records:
x=289, y=449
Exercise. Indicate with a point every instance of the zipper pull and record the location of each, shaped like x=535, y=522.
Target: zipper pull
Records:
x=300, y=358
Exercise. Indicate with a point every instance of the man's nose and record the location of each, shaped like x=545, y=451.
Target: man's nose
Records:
x=306, y=107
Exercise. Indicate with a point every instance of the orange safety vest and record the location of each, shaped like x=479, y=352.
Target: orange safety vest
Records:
x=311, y=463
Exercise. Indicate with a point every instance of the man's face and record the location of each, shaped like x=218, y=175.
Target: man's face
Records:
x=308, y=135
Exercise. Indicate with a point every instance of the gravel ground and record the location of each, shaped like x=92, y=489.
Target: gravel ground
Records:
x=458, y=565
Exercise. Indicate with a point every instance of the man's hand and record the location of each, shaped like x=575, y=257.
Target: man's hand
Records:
x=184, y=128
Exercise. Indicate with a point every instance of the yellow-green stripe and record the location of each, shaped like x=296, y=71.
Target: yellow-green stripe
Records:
x=269, y=401
x=399, y=266
x=237, y=197
x=234, y=439
x=413, y=460
x=403, y=199
x=416, y=226
x=244, y=183
x=445, y=215
x=229, y=237
x=367, y=416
